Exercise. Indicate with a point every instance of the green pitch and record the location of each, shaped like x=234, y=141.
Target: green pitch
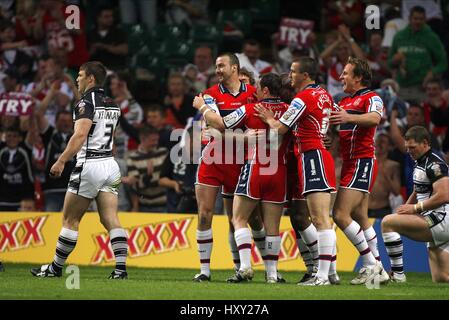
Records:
x=176, y=284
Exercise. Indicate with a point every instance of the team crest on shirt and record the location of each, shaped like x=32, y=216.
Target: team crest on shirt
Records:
x=436, y=169
x=357, y=102
x=81, y=107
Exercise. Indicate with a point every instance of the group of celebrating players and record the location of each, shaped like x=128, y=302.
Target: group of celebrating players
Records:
x=294, y=134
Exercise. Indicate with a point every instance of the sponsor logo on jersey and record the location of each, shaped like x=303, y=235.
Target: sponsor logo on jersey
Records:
x=288, y=114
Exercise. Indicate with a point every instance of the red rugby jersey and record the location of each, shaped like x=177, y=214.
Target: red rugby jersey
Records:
x=227, y=102
x=308, y=115
x=358, y=142
x=245, y=116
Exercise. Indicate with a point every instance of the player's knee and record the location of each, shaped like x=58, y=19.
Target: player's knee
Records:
x=70, y=223
x=386, y=224
x=440, y=277
x=321, y=222
x=204, y=219
x=341, y=219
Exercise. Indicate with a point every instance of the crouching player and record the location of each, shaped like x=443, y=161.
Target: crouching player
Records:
x=425, y=215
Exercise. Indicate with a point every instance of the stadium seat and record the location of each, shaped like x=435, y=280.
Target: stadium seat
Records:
x=240, y=18
x=163, y=32
x=265, y=10
x=137, y=38
x=206, y=34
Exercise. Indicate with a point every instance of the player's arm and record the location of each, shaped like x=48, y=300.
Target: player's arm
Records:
x=440, y=196
x=371, y=117
x=212, y=118
x=412, y=198
x=82, y=128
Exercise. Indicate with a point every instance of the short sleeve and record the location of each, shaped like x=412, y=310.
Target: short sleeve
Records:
x=84, y=110
x=235, y=118
x=436, y=171
x=294, y=111
x=375, y=104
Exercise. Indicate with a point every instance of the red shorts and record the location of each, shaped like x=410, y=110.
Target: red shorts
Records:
x=254, y=184
x=359, y=174
x=217, y=175
x=316, y=171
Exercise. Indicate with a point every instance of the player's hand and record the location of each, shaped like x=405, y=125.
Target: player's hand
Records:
x=263, y=113
x=129, y=180
x=57, y=168
x=339, y=117
x=178, y=187
x=198, y=101
x=406, y=209
x=327, y=140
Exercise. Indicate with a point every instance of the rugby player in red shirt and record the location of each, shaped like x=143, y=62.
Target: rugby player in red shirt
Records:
x=358, y=116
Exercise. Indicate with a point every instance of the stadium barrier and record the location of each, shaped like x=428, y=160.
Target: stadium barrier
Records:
x=161, y=241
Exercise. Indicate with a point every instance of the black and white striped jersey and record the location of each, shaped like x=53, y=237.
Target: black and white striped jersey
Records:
x=428, y=169
x=105, y=114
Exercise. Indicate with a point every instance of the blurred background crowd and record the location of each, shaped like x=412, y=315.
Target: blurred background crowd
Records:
x=160, y=54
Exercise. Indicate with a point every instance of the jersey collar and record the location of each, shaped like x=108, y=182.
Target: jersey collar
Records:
x=223, y=89
x=97, y=89
x=360, y=92
x=271, y=100
x=424, y=156
x=311, y=86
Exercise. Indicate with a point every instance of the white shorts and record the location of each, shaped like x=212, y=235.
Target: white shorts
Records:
x=93, y=176
x=440, y=230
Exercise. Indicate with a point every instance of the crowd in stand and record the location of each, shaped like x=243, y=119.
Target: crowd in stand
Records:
x=40, y=56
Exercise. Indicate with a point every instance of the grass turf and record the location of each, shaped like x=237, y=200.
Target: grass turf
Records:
x=176, y=284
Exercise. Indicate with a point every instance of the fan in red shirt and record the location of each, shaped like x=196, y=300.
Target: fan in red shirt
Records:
x=51, y=24
x=262, y=178
x=309, y=113
x=216, y=168
x=358, y=116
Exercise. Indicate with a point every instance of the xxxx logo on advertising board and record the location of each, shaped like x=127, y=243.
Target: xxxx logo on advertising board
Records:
x=145, y=240
x=289, y=249
x=21, y=234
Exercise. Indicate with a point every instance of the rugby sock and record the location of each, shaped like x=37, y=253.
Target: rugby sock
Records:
x=259, y=240
x=310, y=237
x=119, y=245
x=333, y=266
x=371, y=239
x=65, y=245
x=305, y=253
x=205, y=242
x=272, y=247
x=357, y=237
x=234, y=250
x=395, y=249
x=243, y=240
x=326, y=242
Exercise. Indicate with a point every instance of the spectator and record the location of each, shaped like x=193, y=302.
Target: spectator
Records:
x=388, y=181
x=247, y=76
x=25, y=24
x=108, y=43
x=394, y=24
x=440, y=117
x=12, y=55
x=154, y=117
x=378, y=59
x=335, y=56
x=51, y=25
x=55, y=139
x=417, y=54
x=146, y=10
x=177, y=102
x=188, y=12
x=179, y=175
x=348, y=12
x=203, y=59
x=51, y=73
x=16, y=174
x=435, y=100
x=130, y=108
x=144, y=169
x=250, y=59
x=191, y=75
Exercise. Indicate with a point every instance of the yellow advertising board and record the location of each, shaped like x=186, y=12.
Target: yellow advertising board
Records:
x=155, y=241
